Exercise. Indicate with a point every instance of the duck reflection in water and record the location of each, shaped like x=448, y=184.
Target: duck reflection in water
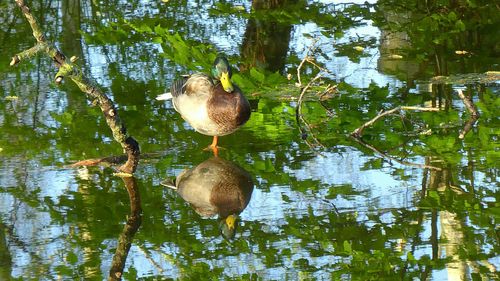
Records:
x=216, y=187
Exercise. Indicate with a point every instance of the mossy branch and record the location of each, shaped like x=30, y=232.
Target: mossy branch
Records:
x=31, y=52
x=73, y=71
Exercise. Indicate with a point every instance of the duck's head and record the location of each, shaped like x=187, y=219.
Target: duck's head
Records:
x=227, y=226
x=222, y=72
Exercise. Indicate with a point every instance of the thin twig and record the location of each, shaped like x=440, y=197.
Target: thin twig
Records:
x=311, y=61
x=299, y=116
x=304, y=134
x=359, y=131
x=299, y=108
x=310, y=50
x=299, y=82
x=153, y=261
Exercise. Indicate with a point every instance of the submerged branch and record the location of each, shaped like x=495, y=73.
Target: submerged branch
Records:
x=129, y=230
x=468, y=103
x=114, y=160
x=472, y=110
x=73, y=71
x=468, y=126
x=466, y=100
x=111, y=160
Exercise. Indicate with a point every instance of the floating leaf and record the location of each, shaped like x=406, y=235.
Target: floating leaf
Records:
x=396, y=57
x=11, y=98
x=122, y=175
x=359, y=48
x=239, y=8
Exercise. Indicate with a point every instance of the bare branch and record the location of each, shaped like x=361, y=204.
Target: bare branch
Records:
x=300, y=116
x=306, y=58
x=329, y=89
x=37, y=32
x=31, y=52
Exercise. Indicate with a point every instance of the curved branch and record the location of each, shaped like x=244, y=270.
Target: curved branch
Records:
x=129, y=230
x=73, y=71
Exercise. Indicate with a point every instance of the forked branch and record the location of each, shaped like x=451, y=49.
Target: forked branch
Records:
x=299, y=116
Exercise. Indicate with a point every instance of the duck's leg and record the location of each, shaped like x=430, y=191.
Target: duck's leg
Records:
x=214, y=141
x=214, y=146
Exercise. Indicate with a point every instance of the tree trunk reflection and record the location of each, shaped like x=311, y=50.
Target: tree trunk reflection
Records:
x=266, y=41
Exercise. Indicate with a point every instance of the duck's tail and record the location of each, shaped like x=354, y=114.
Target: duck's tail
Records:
x=165, y=96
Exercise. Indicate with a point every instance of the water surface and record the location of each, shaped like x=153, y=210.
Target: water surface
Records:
x=416, y=202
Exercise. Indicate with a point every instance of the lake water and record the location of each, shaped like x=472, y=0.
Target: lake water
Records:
x=408, y=200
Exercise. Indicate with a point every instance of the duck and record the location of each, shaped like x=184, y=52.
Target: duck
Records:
x=215, y=187
x=211, y=103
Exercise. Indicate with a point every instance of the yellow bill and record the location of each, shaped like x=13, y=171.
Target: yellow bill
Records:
x=230, y=222
x=226, y=82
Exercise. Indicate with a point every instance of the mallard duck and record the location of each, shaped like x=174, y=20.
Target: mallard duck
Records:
x=216, y=187
x=212, y=105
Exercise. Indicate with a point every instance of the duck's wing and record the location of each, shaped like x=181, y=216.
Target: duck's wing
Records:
x=178, y=87
x=193, y=188
x=195, y=84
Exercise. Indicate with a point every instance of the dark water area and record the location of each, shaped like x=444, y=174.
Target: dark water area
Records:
x=415, y=197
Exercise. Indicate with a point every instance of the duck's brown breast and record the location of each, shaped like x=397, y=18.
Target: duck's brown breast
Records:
x=228, y=110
